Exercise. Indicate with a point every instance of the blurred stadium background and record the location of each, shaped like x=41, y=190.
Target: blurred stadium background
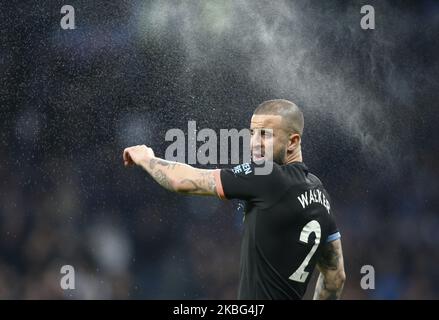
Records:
x=71, y=100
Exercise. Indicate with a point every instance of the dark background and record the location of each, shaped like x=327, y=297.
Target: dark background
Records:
x=71, y=100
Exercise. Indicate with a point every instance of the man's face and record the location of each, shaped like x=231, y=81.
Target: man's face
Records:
x=275, y=139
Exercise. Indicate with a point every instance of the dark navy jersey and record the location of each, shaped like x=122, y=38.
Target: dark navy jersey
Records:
x=287, y=220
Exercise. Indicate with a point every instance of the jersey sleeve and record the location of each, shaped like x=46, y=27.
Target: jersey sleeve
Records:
x=241, y=182
x=334, y=233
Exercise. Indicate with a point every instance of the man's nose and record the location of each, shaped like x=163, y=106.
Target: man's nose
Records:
x=257, y=142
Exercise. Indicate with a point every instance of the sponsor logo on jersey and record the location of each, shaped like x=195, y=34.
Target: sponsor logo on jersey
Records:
x=242, y=168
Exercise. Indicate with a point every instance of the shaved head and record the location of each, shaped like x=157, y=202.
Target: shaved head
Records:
x=292, y=116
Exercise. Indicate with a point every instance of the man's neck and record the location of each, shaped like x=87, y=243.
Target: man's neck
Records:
x=295, y=156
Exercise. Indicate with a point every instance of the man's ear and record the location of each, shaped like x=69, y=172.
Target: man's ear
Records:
x=293, y=141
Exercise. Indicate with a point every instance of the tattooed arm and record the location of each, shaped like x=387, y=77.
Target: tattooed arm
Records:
x=332, y=275
x=173, y=176
x=180, y=177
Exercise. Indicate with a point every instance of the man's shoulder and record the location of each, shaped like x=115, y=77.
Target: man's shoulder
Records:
x=304, y=175
x=314, y=179
x=315, y=182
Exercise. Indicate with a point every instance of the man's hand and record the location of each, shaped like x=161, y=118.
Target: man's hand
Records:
x=137, y=155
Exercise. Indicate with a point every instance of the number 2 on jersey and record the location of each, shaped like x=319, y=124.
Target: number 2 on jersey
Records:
x=300, y=275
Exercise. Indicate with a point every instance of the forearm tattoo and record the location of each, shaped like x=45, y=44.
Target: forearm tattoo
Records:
x=164, y=172
x=329, y=258
x=157, y=168
x=164, y=163
x=204, y=183
x=330, y=283
x=162, y=179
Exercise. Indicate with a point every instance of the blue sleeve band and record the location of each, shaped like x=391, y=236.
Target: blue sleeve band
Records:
x=333, y=237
